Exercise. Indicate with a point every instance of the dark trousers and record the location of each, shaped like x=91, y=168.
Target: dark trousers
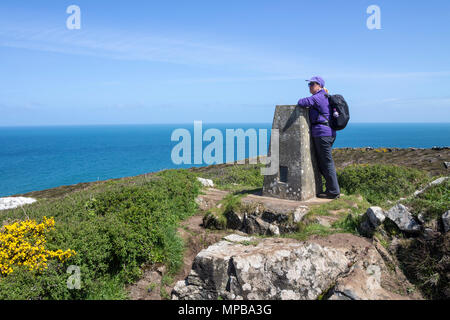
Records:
x=323, y=146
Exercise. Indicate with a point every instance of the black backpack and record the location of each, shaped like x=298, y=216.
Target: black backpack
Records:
x=337, y=102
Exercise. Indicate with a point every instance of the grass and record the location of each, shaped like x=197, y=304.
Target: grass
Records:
x=432, y=203
x=218, y=217
x=424, y=264
x=380, y=183
x=307, y=230
x=351, y=203
x=347, y=221
x=236, y=177
x=115, y=227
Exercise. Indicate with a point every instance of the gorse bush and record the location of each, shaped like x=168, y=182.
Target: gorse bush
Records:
x=379, y=183
x=23, y=244
x=115, y=229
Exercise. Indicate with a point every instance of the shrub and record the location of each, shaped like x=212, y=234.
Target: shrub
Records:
x=379, y=183
x=425, y=263
x=243, y=175
x=115, y=229
x=23, y=244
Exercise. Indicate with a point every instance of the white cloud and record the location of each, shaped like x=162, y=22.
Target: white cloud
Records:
x=115, y=44
x=241, y=61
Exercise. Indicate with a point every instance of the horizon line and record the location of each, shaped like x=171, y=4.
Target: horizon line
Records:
x=185, y=123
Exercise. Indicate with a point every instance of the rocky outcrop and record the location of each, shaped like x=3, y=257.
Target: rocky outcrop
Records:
x=404, y=220
x=372, y=219
x=254, y=217
x=14, y=202
x=398, y=214
x=376, y=216
x=206, y=182
x=336, y=267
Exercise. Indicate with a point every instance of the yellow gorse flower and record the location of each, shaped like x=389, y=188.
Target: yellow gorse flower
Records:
x=23, y=244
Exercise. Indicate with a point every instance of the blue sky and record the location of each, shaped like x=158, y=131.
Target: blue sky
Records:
x=219, y=61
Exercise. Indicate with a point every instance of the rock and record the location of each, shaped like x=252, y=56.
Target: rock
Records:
x=162, y=269
x=404, y=220
x=340, y=266
x=446, y=164
x=206, y=182
x=211, y=220
x=237, y=238
x=272, y=269
x=439, y=148
x=376, y=216
x=363, y=283
x=299, y=213
x=326, y=221
x=433, y=183
x=421, y=218
x=274, y=230
x=270, y=215
x=256, y=225
x=235, y=219
x=395, y=245
x=373, y=218
x=253, y=217
x=446, y=221
x=14, y=202
x=210, y=198
x=365, y=228
x=429, y=234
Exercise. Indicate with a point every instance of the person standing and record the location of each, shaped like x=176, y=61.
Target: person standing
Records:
x=323, y=135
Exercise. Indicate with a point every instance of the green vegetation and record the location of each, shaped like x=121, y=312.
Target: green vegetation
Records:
x=425, y=260
x=346, y=212
x=347, y=203
x=433, y=202
x=306, y=230
x=115, y=228
x=217, y=217
x=379, y=183
x=235, y=177
x=425, y=264
x=118, y=226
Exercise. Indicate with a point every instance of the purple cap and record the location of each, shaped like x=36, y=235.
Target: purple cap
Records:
x=317, y=79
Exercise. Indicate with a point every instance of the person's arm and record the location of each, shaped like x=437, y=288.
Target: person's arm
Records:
x=306, y=102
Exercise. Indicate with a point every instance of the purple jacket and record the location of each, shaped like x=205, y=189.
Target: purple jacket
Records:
x=321, y=102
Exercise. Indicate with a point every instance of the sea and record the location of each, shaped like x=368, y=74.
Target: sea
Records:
x=42, y=157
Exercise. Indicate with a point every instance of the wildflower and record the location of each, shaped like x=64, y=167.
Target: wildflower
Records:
x=23, y=244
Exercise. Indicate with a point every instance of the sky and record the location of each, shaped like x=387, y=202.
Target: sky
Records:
x=219, y=61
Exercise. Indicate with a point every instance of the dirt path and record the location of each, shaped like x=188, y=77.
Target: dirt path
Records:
x=196, y=238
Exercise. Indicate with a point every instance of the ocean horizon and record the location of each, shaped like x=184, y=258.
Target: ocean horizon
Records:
x=41, y=157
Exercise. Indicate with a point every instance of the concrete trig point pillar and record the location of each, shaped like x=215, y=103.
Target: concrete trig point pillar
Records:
x=298, y=176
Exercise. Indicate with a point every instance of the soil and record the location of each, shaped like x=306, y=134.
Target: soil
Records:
x=196, y=238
